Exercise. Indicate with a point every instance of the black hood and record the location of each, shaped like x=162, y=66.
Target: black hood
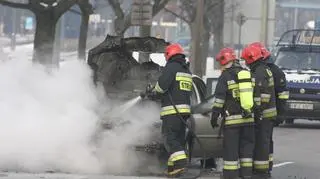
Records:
x=253, y=65
x=180, y=58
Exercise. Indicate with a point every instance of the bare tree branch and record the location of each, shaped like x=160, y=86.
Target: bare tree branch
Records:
x=115, y=4
x=127, y=21
x=35, y=5
x=158, y=6
x=189, y=7
x=213, y=4
x=180, y=16
x=15, y=5
x=63, y=6
x=85, y=6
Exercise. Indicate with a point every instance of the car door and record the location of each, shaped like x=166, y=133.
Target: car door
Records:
x=211, y=142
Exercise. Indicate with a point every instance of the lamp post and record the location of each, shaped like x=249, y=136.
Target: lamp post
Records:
x=241, y=19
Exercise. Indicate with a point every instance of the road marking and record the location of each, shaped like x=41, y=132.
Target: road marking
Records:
x=282, y=164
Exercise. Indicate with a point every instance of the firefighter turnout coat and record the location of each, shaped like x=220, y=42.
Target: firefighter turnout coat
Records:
x=176, y=79
x=264, y=93
x=281, y=91
x=232, y=101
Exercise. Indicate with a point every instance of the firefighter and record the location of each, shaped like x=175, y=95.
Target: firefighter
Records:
x=234, y=101
x=175, y=86
x=282, y=93
x=265, y=107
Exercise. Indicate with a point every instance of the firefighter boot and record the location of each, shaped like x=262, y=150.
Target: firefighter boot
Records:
x=178, y=170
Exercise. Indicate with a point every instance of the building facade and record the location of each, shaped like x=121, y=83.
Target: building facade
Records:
x=259, y=22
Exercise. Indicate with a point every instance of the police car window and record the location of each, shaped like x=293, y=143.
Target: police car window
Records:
x=298, y=60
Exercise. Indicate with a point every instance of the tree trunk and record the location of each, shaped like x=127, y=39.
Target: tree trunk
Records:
x=83, y=35
x=193, y=33
x=196, y=53
x=218, y=43
x=118, y=27
x=145, y=31
x=44, y=39
x=218, y=32
x=205, y=50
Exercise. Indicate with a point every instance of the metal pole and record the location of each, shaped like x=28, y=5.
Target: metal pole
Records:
x=295, y=23
x=266, y=37
x=239, y=40
x=232, y=24
x=264, y=20
x=13, y=34
x=3, y=12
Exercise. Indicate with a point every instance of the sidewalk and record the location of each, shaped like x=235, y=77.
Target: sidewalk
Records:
x=69, y=47
x=20, y=40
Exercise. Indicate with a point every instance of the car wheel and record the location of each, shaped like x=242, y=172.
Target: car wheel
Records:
x=289, y=121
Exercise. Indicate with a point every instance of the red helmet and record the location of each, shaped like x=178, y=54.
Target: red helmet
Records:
x=173, y=49
x=264, y=51
x=251, y=54
x=226, y=55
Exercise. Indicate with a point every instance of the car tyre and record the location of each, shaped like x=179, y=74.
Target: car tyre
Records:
x=289, y=121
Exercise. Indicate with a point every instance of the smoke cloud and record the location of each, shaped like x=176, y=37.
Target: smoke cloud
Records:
x=50, y=122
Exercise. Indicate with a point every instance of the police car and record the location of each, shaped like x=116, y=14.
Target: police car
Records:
x=298, y=55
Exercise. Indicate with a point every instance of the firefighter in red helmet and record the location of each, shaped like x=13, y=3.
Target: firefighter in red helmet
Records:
x=234, y=101
x=174, y=87
x=265, y=107
x=282, y=93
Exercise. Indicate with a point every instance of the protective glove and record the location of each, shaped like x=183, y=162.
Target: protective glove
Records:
x=257, y=114
x=149, y=88
x=148, y=92
x=214, y=120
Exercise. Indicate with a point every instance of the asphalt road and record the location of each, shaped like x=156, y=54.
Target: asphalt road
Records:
x=297, y=151
x=297, y=156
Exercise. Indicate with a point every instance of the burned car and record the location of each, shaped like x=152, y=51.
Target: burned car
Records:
x=124, y=77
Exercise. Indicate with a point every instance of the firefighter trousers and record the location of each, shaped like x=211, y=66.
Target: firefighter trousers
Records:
x=271, y=151
x=262, y=146
x=174, y=134
x=238, y=145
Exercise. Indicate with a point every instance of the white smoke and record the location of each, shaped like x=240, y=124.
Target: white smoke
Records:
x=48, y=121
